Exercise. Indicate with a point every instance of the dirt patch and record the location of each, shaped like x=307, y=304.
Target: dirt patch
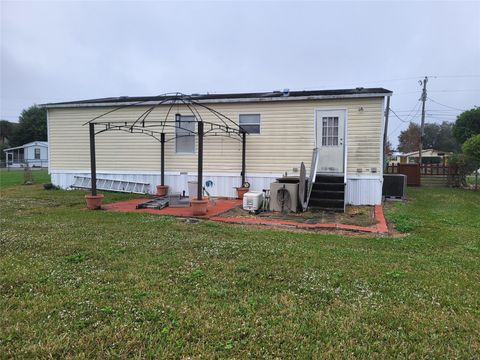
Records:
x=354, y=215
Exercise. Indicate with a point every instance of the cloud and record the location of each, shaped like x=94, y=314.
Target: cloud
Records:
x=55, y=51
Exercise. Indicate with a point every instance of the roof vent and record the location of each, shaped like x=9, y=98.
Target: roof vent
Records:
x=286, y=92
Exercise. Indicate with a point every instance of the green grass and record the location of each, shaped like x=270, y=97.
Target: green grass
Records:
x=97, y=284
x=16, y=177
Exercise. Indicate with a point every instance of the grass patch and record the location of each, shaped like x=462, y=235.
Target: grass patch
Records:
x=98, y=284
x=12, y=177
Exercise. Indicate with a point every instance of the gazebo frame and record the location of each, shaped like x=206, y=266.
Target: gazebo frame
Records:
x=226, y=127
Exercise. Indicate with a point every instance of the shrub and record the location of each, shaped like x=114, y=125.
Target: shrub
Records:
x=471, y=148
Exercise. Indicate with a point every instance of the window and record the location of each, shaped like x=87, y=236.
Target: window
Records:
x=329, y=130
x=37, y=154
x=185, y=135
x=250, y=123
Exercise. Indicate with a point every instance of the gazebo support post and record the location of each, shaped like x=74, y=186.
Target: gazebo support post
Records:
x=200, y=205
x=162, y=189
x=162, y=159
x=94, y=200
x=200, y=161
x=241, y=190
x=244, y=148
x=93, y=165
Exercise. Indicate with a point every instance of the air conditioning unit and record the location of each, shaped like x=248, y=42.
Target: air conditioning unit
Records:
x=283, y=197
x=394, y=186
x=252, y=200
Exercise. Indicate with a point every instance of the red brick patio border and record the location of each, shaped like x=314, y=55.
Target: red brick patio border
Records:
x=380, y=228
x=221, y=206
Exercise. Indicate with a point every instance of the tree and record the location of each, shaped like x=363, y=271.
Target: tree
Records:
x=471, y=148
x=440, y=137
x=467, y=125
x=408, y=139
x=388, y=148
x=32, y=126
x=6, y=131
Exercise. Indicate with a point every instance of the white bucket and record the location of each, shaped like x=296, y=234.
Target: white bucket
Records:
x=192, y=189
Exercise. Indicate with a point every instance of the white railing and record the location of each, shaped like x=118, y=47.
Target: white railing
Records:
x=313, y=174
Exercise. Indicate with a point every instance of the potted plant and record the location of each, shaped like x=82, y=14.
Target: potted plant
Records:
x=242, y=190
x=162, y=190
x=200, y=206
x=94, y=202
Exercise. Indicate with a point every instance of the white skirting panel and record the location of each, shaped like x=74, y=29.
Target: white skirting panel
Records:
x=364, y=190
x=221, y=184
x=359, y=190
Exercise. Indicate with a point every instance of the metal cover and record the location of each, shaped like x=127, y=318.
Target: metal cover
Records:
x=302, y=186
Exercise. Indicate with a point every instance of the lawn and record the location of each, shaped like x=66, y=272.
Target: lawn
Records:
x=16, y=176
x=96, y=284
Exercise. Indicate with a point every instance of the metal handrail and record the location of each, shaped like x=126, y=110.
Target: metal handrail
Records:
x=313, y=173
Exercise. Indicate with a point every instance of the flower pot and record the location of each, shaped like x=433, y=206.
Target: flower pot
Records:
x=94, y=202
x=162, y=190
x=200, y=206
x=241, y=191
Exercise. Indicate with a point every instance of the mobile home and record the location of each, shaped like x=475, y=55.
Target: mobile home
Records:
x=284, y=128
x=33, y=154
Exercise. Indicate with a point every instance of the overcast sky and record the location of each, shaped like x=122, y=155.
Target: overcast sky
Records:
x=59, y=51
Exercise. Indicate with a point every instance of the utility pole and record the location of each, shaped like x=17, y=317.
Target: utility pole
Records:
x=423, y=98
x=385, y=132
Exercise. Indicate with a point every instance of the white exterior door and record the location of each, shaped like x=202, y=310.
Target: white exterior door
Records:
x=330, y=129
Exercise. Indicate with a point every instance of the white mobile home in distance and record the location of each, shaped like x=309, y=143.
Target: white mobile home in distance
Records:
x=33, y=154
x=283, y=129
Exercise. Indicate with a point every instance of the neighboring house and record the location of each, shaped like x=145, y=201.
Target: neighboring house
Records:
x=396, y=158
x=33, y=154
x=284, y=128
x=429, y=156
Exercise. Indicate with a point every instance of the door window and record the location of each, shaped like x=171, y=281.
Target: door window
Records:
x=330, y=131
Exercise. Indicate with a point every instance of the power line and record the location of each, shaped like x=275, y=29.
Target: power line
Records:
x=447, y=106
x=456, y=76
x=455, y=90
x=398, y=117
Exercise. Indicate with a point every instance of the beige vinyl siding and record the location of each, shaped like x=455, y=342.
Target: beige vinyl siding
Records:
x=287, y=138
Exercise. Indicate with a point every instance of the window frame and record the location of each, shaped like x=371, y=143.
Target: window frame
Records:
x=329, y=129
x=35, y=153
x=259, y=122
x=194, y=121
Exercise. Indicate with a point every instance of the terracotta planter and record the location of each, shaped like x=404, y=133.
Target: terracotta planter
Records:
x=241, y=191
x=94, y=202
x=162, y=190
x=200, y=206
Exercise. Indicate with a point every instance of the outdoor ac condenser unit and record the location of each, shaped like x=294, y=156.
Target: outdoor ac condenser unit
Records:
x=252, y=200
x=283, y=197
x=394, y=186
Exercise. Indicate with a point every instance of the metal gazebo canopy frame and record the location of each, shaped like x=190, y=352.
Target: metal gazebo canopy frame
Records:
x=225, y=127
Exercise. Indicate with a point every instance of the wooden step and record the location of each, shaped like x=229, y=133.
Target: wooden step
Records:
x=327, y=194
x=328, y=186
x=327, y=204
x=321, y=178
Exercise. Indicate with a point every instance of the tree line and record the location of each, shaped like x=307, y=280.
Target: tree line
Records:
x=461, y=137
x=31, y=126
x=447, y=136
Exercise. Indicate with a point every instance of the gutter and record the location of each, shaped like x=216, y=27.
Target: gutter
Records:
x=220, y=101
